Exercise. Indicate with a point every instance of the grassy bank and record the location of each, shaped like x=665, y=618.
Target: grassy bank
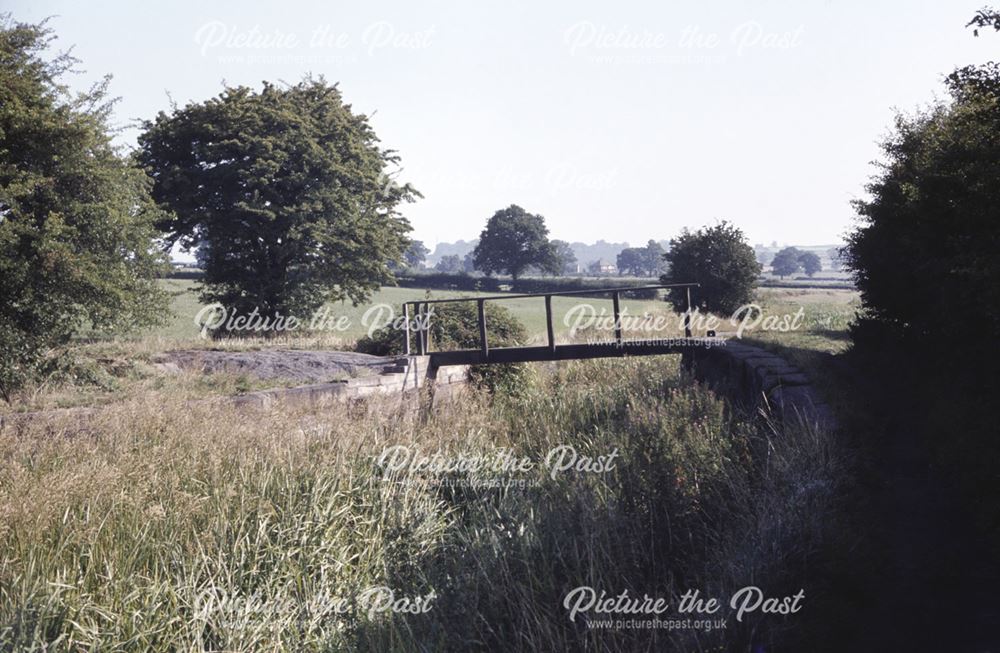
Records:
x=168, y=529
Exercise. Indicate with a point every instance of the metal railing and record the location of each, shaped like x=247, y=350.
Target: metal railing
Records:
x=423, y=313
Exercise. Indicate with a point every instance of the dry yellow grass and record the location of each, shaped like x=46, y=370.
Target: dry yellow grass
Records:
x=162, y=526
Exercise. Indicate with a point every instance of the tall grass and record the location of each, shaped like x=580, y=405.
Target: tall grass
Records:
x=164, y=527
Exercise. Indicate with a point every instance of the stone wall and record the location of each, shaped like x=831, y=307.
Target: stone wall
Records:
x=759, y=379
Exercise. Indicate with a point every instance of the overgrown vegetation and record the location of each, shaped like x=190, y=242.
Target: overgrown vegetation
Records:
x=925, y=259
x=161, y=528
x=76, y=218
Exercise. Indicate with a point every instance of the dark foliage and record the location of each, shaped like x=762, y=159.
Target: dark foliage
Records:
x=513, y=241
x=925, y=254
x=720, y=260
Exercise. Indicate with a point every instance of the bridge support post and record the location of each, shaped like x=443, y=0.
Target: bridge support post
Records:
x=421, y=335
x=548, y=323
x=616, y=305
x=427, y=328
x=687, y=316
x=406, y=328
x=483, y=344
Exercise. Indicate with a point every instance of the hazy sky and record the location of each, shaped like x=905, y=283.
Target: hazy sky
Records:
x=614, y=120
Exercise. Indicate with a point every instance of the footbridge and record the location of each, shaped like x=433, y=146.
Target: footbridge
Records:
x=420, y=312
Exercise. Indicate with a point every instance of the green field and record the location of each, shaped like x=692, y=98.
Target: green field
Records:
x=530, y=311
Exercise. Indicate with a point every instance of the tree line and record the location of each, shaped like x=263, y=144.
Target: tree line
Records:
x=288, y=197
x=285, y=194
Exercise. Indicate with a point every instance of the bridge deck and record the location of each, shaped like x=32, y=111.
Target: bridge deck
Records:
x=564, y=352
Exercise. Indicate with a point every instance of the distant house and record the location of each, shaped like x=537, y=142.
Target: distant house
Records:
x=602, y=267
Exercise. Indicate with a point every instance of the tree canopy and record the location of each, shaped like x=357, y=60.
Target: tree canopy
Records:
x=451, y=263
x=810, y=263
x=566, y=259
x=513, y=241
x=718, y=258
x=642, y=261
x=787, y=261
x=985, y=17
x=631, y=261
x=924, y=257
x=925, y=252
x=415, y=254
x=76, y=219
x=286, y=188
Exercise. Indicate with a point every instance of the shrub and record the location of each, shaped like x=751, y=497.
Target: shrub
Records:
x=76, y=217
x=718, y=259
x=456, y=326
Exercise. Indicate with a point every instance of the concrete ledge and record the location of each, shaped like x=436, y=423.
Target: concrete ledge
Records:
x=415, y=374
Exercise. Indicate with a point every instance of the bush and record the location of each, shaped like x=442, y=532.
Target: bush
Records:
x=456, y=326
x=76, y=218
x=718, y=259
x=924, y=257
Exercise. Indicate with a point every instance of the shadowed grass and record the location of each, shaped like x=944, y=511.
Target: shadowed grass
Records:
x=161, y=528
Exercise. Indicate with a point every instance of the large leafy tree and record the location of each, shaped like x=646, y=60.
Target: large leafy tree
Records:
x=513, y=241
x=787, y=261
x=718, y=258
x=415, y=254
x=450, y=264
x=642, y=261
x=631, y=261
x=469, y=263
x=76, y=219
x=924, y=256
x=652, y=256
x=925, y=252
x=810, y=263
x=565, y=257
x=286, y=187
